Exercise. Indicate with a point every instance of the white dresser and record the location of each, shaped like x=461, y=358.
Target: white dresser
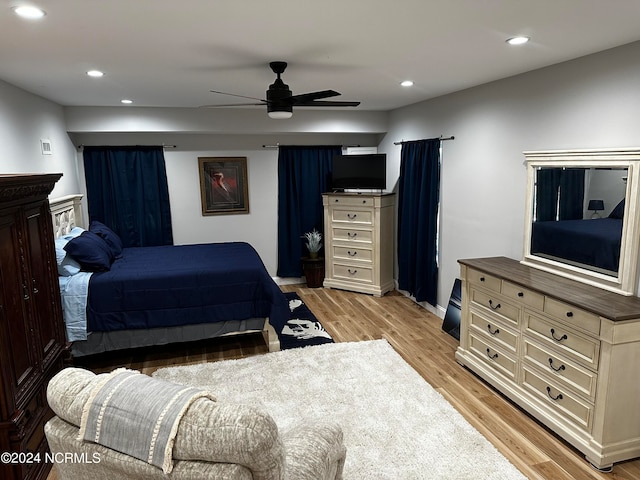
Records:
x=359, y=242
x=566, y=352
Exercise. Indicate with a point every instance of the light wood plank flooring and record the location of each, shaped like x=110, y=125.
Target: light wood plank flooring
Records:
x=417, y=336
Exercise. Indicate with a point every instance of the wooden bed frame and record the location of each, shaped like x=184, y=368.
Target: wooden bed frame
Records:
x=66, y=214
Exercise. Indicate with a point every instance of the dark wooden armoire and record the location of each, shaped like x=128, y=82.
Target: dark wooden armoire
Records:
x=32, y=338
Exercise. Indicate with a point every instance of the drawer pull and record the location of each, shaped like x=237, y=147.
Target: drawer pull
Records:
x=494, y=332
x=521, y=294
x=557, y=339
x=352, y=272
x=492, y=357
x=569, y=314
x=352, y=254
x=352, y=235
x=556, y=398
x=352, y=217
x=482, y=279
x=491, y=305
x=559, y=369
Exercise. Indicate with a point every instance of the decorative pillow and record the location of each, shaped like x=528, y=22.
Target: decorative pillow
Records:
x=109, y=236
x=618, y=212
x=67, y=266
x=90, y=251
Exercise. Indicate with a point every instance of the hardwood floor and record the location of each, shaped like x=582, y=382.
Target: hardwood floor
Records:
x=417, y=336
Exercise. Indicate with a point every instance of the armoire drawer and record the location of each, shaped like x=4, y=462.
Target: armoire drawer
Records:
x=496, y=330
x=574, y=345
x=353, y=254
x=564, y=370
x=351, y=273
x=498, y=358
x=355, y=235
x=560, y=398
x=364, y=217
x=351, y=201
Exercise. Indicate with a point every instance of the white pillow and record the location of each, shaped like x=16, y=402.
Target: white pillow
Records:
x=67, y=266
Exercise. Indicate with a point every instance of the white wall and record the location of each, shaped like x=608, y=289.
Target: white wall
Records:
x=24, y=120
x=593, y=101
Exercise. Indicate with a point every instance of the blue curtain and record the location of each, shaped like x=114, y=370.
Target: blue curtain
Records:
x=418, y=203
x=559, y=194
x=303, y=176
x=127, y=191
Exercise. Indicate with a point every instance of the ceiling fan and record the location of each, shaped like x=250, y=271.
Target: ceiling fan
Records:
x=280, y=100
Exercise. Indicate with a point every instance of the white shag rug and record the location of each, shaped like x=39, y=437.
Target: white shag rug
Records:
x=396, y=426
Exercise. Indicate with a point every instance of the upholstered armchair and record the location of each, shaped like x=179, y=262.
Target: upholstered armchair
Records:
x=213, y=441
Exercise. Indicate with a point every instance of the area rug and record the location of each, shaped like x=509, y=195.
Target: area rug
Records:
x=396, y=426
x=303, y=328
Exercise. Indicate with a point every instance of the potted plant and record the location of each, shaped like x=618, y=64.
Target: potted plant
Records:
x=314, y=242
x=313, y=266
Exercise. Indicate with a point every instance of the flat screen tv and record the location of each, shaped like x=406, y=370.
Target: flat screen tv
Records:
x=359, y=172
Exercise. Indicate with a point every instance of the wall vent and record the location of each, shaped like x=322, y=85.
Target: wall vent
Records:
x=45, y=144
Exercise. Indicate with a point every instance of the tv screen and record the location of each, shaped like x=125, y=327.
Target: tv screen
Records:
x=366, y=172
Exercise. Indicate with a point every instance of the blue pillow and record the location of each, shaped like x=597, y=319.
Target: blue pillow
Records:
x=109, y=236
x=67, y=266
x=90, y=251
x=618, y=212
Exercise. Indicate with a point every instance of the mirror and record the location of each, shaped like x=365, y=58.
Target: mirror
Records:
x=581, y=220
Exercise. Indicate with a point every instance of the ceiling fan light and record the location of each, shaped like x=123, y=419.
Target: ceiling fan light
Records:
x=278, y=115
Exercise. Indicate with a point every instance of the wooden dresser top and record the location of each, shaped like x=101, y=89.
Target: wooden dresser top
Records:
x=601, y=302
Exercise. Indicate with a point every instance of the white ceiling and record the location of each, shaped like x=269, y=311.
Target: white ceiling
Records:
x=170, y=53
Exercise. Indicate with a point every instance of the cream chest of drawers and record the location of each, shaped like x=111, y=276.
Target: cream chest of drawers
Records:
x=566, y=352
x=359, y=242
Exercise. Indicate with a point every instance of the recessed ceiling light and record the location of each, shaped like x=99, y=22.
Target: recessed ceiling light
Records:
x=407, y=83
x=30, y=12
x=520, y=40
x=95, y=73
x=126, y=101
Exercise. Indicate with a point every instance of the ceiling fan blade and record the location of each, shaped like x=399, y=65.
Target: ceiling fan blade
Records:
x=309, y=97
x=241, y=96
x=233, y=105
x=328, y=103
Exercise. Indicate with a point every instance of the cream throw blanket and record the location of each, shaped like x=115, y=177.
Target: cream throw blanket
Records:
x=137, y=415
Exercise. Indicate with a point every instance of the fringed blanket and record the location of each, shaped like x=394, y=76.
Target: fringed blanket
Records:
x=137, y=415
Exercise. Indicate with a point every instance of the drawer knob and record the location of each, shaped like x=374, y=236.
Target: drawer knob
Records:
x=557, y=339
x=557, y=397
x=492, y=357
x=559, y=369
x=569, y=314
x=493, y=332
x=352, y=254
x=521, y=294
x=482, y=279
x=351, y=216
x=491, y=305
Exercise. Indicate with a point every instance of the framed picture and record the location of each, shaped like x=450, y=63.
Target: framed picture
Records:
x=223, y=185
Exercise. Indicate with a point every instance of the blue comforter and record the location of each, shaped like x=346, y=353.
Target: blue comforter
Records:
x=169, y=286
x=591, y=242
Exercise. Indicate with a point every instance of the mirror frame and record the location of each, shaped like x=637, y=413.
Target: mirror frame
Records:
x=626, y=281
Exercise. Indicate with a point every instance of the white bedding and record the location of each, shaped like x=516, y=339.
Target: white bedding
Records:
x=74, y=291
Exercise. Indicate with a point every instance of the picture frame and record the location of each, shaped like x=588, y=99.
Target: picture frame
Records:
x=224, y=188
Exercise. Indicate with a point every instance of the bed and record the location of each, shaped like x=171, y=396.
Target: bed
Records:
x=592, y=242
x=149, y=296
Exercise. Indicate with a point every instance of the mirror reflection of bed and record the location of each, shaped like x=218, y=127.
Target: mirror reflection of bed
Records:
x=563, y=227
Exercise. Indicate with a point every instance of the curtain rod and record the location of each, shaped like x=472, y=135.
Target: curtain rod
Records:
x=278, y=145
x=82, y=145
x=441, y=139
